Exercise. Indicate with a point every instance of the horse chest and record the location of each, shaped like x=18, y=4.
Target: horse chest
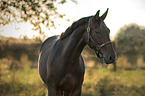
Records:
x=68, y=82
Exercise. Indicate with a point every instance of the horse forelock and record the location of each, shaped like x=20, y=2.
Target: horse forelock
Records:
x=74, y=26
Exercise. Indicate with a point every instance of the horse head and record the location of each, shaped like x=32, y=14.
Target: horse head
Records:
x=97, y=38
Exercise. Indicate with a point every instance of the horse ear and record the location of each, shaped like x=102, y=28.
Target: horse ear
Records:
x=105, y=14
x=97, y=14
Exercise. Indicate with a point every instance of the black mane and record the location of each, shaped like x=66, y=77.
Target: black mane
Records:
x=74, y=26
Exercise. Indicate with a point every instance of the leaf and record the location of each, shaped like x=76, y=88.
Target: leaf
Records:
x=30, y=10
x=50, y=5
x=44, y=1
x=62, y=2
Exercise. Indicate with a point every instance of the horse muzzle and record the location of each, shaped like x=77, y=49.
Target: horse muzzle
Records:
x=110, y=59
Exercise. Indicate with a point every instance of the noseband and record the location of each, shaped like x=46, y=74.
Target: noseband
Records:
x=98, y=47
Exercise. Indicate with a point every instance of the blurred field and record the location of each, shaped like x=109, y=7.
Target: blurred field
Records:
x=104, y=82
x=98, y=82
x=19, y=74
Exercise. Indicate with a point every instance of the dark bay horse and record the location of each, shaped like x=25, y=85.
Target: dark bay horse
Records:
x=61, y=65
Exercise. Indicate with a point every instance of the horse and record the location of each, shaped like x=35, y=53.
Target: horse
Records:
x=61, y=66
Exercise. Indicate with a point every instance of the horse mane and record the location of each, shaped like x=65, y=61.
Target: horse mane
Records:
x=74, y=26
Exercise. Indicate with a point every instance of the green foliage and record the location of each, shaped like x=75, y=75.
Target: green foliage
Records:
x=37, y=12
x=130, y=42
x=130, y=38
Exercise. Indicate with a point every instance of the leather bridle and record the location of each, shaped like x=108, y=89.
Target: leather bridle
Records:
x=98, y=47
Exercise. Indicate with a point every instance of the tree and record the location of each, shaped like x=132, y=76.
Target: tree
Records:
x=130, y=41
x=36, y=11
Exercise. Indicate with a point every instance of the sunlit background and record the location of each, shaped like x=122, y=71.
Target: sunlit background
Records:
x=121, y=12
x=19, y=46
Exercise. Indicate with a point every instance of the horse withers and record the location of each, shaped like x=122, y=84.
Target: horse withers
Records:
x=61, y=65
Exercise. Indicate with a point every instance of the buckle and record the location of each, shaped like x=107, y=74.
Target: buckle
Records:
x=88, y=29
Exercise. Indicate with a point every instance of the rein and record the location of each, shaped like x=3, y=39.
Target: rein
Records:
x=98, y=47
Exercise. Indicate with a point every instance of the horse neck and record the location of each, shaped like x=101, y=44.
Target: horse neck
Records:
x=75, y=43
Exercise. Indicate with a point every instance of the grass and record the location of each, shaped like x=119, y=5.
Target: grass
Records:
x=98, y=82
x=104, y=82
x=21, y=82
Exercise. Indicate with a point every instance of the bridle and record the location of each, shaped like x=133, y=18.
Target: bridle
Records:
x=98, y=47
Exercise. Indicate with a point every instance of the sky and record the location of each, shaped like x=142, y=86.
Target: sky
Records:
x=121, y=12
